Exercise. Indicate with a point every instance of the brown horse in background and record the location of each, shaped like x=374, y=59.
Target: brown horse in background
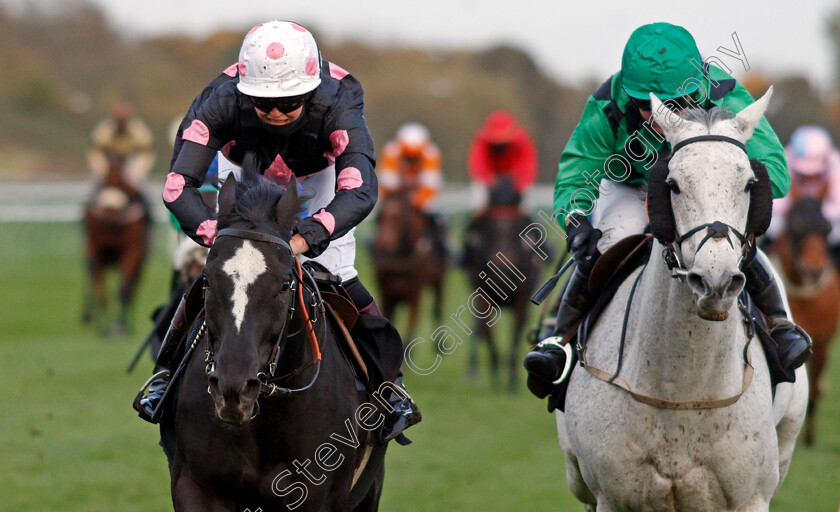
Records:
x=408, y=256
x=117, y=225
x=812, y=282
x=502, y=269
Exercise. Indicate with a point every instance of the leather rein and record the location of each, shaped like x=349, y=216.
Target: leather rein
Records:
x=714, y=230
x=267, y=377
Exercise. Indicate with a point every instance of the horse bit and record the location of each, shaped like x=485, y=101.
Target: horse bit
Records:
x=267, y=388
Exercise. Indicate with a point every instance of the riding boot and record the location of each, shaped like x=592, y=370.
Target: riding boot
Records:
x=547, y=359
x=404, y=414
x=148, y=404
x=793, y=345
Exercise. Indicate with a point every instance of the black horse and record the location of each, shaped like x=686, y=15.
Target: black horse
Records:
x=271, y=418
x=494, y=246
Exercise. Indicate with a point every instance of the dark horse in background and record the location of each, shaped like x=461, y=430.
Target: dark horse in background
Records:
x=505, y=269
x=408, y=256
x=117, y=225
x=271, y=418
x=812, y=283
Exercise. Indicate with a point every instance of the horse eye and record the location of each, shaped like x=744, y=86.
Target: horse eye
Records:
x=673, y=185
x=750, y=184
x=286, y=285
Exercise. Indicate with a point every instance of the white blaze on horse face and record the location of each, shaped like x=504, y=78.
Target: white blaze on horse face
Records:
x=244, y=267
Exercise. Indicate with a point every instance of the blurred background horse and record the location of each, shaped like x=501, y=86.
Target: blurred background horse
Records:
x=493, y=241
x=117, y=225
x=811, y=281
x=408, y=257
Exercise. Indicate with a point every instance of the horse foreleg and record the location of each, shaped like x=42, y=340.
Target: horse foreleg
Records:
x=131, y=267
x=189, y=496
x=794, y=398
x=494, y=359
x=97, y=297
x=370, y=503
x=437, y=309
x=757, y=504
x=472, y=357
x=815, y=368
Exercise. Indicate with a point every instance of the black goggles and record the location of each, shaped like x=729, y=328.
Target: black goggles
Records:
x=678, y=103
x=283, y=105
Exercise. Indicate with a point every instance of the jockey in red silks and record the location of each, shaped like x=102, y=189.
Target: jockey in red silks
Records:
x=501, y=148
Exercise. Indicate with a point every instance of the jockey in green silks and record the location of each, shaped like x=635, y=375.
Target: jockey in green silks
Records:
x=608, y=158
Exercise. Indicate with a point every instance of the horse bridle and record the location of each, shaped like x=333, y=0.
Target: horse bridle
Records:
x=296, y=288
x=715, y=230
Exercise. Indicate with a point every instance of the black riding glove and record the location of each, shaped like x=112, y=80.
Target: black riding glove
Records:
x=582, y=241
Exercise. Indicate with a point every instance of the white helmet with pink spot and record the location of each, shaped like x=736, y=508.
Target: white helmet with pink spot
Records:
x=279, y=59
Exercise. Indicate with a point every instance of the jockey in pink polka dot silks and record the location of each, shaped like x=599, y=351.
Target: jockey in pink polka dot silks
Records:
x=303, y=117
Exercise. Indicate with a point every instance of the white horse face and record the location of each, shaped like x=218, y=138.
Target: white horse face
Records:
x=710, y=182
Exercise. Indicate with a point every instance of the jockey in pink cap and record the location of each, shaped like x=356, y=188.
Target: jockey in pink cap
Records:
x=814, y=164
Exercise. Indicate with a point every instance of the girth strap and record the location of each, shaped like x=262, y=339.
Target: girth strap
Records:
x=669, y=404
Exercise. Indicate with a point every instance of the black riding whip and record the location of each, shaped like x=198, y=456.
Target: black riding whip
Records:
x=544, y=290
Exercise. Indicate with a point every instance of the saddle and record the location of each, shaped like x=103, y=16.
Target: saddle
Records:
x=610, y=271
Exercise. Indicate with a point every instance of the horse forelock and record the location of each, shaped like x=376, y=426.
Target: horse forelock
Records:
x=256, y=206
x=707, y=118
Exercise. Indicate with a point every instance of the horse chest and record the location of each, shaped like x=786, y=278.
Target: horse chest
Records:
x=650, y=459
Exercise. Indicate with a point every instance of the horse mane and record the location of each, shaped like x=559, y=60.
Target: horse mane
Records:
x=256, y=200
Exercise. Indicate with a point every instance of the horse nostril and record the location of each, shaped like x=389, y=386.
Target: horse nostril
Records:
x=697, y=283
x=213, y=385
x=252, y=389
x=736, y=284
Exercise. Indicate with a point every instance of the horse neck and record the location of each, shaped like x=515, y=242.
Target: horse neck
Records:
x=115, y=179
x=670, y=350
x=297, y=352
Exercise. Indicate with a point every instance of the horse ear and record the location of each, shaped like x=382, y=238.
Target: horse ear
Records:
x=761, y=200
x=666, y=118
x=660, y=213
x=288, y=206
x=746, y=120
x=227, y=195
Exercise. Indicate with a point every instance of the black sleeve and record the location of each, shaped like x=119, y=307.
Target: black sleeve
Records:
x=356, y=185
x=181, y=195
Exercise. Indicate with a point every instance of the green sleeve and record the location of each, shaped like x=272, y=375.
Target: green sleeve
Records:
x=764, y=144
x=590, y=145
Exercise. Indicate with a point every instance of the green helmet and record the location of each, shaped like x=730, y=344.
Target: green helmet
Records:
x=657, y=59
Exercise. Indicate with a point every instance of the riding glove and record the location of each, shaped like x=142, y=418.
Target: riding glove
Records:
x=582, y=241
